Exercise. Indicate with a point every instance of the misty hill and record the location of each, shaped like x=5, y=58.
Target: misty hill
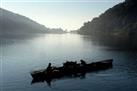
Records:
x=11, y=23
x=118, y=22
x=56, y=30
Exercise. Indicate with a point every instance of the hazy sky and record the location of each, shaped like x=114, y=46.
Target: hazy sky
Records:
x=66, y=14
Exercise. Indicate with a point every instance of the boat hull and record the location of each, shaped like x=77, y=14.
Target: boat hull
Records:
x=59, y=72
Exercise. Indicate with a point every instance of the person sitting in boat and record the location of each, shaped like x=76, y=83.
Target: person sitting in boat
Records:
x=49, y=68
x=83, y=62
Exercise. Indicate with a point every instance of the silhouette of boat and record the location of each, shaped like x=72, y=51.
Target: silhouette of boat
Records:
x=69, y=69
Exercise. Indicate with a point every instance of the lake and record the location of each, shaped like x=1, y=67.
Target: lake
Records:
x=18, y=57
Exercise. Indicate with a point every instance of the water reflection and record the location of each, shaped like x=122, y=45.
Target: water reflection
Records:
x=20, y=56
x=18, y=38
x=115, y=43
x=48, y=81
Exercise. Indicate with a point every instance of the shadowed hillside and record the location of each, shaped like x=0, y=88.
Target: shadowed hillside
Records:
x=117, y=24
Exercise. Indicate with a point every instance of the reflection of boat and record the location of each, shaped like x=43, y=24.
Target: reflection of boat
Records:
x=69, y=69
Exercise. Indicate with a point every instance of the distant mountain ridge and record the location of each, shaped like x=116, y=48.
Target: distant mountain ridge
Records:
x=11, y=23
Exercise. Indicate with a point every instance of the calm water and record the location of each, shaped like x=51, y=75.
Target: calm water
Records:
x=18, y=57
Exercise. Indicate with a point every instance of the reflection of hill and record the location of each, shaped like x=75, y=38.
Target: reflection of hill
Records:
x=118, y=23
x=14, y=24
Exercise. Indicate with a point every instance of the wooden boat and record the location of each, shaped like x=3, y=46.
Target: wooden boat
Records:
x=70, y=69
